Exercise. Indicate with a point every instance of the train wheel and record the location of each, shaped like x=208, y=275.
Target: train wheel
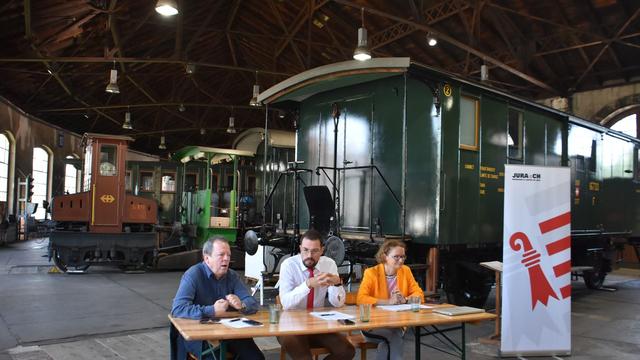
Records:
x=594, y=279
x=58, y=262
x=467, y=284
x=62, y=266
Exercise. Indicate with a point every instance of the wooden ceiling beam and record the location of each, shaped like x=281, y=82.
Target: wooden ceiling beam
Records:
x=88, y=59
x=598, y=22
x=213, y=11
x=177, y=48
x=27, y=19
x=72, y=30
x=147, y=105
x=566, y=27
x=606, y=46
x=294, y=47
x=300, y=20
x=133, y=31
x=459, y=44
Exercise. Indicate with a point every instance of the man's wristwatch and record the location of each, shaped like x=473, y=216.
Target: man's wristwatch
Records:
x=243, y=306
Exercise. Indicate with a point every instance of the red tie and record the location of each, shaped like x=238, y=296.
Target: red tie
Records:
x=310, y=296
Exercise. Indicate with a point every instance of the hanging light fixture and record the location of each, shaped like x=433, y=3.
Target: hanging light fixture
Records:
x=256, y=91
x=112, y=87
x=181, y=108
x=167, y=7
x=362, y=51
x=431, y=39
x=203, y=131
x=163, y=145
x=190, y=68
x=127, y=121
x=231, y=129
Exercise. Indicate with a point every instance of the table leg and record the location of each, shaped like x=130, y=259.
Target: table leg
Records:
x=223, y=350
x=463, y=346
x=417, y=342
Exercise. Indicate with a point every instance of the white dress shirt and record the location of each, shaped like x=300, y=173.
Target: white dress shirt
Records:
x=293, y=287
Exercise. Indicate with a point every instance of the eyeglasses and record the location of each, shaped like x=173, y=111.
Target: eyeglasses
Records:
x=310, y=251
x=399, y=257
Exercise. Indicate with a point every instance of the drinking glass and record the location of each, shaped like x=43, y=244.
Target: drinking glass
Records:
x=365, y=312
x=415, y=303
x=274, y=313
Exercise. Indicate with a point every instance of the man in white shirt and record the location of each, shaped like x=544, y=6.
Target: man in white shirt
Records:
x=305, y=281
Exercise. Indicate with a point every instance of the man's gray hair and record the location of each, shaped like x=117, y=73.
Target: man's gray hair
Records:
x=207, y=248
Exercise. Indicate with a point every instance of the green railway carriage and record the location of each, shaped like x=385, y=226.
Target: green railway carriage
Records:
x=421, y=152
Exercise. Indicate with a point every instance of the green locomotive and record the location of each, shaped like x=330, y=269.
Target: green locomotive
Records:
x=419, y=153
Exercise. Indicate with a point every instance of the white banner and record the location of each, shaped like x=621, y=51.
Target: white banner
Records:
x=536, y=303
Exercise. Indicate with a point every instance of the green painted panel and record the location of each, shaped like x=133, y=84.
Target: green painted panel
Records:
x=493, y=135
x=423, y=164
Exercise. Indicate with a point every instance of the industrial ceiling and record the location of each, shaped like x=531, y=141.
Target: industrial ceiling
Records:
x=181, y=74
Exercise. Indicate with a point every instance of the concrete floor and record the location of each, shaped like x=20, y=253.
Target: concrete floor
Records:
x=107, y=314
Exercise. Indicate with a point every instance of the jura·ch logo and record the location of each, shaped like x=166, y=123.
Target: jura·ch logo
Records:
x=525, y=176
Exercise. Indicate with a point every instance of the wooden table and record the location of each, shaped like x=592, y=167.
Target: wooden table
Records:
x=300, y=322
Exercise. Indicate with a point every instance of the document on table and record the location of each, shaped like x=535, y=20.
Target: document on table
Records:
x=238, y=323
x=401, y=307
x=331, y=315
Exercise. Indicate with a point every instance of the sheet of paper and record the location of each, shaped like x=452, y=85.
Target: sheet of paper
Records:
x=237, y=323
x=401, y=307
x=331, y=315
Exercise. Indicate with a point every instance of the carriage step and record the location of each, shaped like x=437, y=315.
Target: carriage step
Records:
x=579, y=269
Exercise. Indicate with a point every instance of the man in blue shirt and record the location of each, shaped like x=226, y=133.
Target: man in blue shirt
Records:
x=210, y=289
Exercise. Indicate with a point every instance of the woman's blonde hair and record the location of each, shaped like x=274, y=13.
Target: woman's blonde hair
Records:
x=386, y=247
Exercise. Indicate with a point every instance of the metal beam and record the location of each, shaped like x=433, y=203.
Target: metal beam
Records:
x=431, y=16
x=459, y=44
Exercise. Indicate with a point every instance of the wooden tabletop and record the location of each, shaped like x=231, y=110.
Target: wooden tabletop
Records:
x=300, y=322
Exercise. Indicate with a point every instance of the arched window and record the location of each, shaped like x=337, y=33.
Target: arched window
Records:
x=4, y=168
x=40, y=175
x=71, y=177
x=626, y=125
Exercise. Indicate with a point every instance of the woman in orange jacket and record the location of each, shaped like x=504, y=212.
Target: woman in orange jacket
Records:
x=388, y=283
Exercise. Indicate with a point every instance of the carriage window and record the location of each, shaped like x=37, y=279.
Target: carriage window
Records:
x=229, y=182
x=88, y=154
x=637, y=172
x=191, y=182
x=108, y=160
x=4, y=167
x=146, y=181
x=127, y=181
x=41, y=178
x=594, y=152
x=168, y=182
x=70, y=177
x=515, y=132
x=214, y=182
x=468, y=123
x=251, y=185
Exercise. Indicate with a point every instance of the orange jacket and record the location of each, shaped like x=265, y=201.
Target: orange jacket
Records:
x=374, y=285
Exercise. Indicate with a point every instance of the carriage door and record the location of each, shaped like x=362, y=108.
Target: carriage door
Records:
x=354, y=149
x=106, y=192
x=468, y=182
